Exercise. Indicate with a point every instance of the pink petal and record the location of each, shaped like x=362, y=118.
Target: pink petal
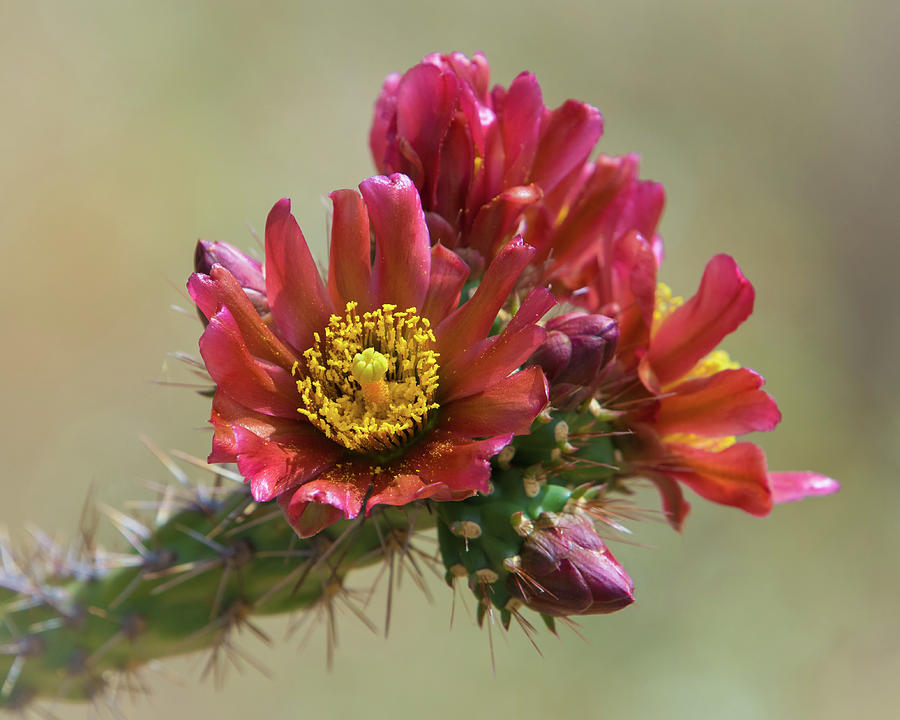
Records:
x=441, y=231
x=591, y=221
x=402, y=248
x=462, y=466
x=675, y=507
x=308, y=518
x=256, y=384
x=723, y=302
x=735, y=476
x=384, y=125
x=278, y=463
x=344, y=486
x=473, y=320
x=220, y=289
x=448, y=275
x=568, y=136
x=426, y=99
x=227, y=414
x=488, y=361
x=508, y=406
x=397, y=490
x=790, y=486
x=497, y=221
x=520, y=121
x=297, y=296
x=456, y=165
x=349, y=265
x=727, y=403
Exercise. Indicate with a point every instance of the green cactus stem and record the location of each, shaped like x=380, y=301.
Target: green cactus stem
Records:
x=566, y=459
x=71, y=622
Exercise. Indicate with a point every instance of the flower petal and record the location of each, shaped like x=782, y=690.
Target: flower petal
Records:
x=790, y=486
x=723, y=302
x=396, y=490
x=277, y=463
x=455, y=171
x=297, y=296
x=402, y=248
x=220, y=289
x=474, y=368
x=383, y=134
x=727, y=403
x=256, y=384
x=498, y=220
x=508, y=406
x=735, y=476
x=591, y=221
x=227, y=414
x=426, y=100
x=472, y=321
x=448, y=275
x=461, y=465
x=520, y=120
x=343, y=486
x=568, y=134
x=308, y=518
x=675, y=507
x=349, y=265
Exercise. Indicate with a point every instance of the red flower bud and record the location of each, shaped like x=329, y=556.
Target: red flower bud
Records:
x=565, y=569
x=574, y=355
x=246, y=270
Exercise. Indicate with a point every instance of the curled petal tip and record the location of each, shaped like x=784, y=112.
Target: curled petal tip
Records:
x=790, y=486
x=281, y=209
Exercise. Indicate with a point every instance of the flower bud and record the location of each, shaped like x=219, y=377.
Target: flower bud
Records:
x=575, y=354
x=246, y=270
x=565, y=569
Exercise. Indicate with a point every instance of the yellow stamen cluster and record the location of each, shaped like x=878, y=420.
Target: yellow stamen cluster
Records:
x=666, y=303
x=369, y=380
x=716, y=361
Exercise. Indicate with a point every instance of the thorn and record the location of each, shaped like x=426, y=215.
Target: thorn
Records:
x=12, y=677
x=167, y=462
x=217, y=470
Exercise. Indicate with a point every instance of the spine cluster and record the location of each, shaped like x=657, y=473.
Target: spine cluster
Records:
x=75, y=623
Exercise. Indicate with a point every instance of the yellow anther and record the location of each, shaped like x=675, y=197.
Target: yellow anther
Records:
x=666, y=303
x=370, y=378
x=369, y=366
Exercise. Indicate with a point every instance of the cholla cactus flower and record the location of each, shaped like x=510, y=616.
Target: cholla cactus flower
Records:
x=686, y=401
x=379, y=387
x=491, y=162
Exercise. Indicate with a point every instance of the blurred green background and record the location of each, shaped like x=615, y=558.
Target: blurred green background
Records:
x=129, y=129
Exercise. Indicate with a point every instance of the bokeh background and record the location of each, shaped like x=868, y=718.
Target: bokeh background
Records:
x=130, y=129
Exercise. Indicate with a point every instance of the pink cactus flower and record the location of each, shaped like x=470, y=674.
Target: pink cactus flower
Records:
x=376, y=387
x=686, y=402
x=491, y=163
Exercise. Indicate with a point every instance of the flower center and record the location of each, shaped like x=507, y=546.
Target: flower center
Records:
x=370, y=379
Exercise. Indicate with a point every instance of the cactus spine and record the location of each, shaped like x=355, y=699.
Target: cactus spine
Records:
x=563, y=465
x=71, y=623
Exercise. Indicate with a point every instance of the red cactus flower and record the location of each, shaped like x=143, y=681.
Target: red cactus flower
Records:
x=564, y=568
x=687, y=401
x=485, y=160
x=376, y=387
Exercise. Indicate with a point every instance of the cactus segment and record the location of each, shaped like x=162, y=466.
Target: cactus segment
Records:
x=67, y=628
x=566, y=455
